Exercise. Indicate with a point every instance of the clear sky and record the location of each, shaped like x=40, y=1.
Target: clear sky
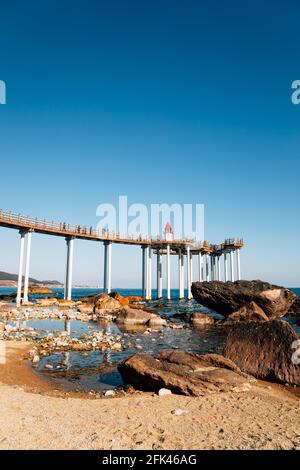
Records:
x=162, y=101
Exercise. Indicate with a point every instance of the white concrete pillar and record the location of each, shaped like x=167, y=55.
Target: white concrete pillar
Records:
x=144, y=274
x=200, y=266
x=107, y=267
x=232, y=266
x=225, y=267
x=212, y=265
x=149, y=296
x=147, y=248
x=168, y=274
x=181, y=275
x=218, y=269
x=207, y=262
x=69, y=269
x=159, y=274
x=189, y=275
x=21, y=262
x=238, y=264
x=27, y=266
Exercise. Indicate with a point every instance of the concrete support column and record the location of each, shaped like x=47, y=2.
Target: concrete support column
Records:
x=27, y=266
x=159, y=275
x=225, y=267
x=181, y=275
x=21, y=262
x=232, y=266
x=168, y=274
x=149, y=295
x=218, y=269
x=200, y=265
x=144, y=273
x=212, y=265
x=107, y=267
x=238, y=264
x=69, y=269
x=207, y=263
x=189, y=274
x=146, y=270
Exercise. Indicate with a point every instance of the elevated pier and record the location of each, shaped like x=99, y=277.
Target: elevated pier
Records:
x=209, y=255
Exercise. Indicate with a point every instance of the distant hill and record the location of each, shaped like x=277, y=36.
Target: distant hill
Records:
x=14, y=277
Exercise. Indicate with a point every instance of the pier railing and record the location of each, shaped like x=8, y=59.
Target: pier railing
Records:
x=80, y=231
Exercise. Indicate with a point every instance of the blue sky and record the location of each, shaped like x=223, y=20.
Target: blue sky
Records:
x=165, y=101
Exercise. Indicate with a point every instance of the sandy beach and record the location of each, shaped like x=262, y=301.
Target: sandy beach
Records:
x=35, y=416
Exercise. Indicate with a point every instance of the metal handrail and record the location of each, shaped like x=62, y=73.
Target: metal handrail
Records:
x=63, y=227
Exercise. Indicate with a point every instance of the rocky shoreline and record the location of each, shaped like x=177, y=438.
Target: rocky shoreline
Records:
x=257, y=304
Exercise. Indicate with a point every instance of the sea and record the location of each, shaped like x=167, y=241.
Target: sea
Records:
x=98, y=371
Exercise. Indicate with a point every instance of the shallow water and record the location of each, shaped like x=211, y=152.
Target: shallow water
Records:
x=97, y=371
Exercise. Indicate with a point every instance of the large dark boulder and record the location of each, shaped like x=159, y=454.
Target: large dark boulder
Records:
x=183, y=373
x=269, y=351
x=227, y=298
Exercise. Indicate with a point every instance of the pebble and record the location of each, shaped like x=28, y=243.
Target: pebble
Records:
x=116, y=347
x=35, y=359
x=179, y=412
x=164, y=392
x=109, y=393
x=48, y=366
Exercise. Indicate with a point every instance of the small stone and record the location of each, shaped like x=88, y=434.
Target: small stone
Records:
x=179, y=412
x=36, y=359
x=117, y=347
x=242, y=388
x=164, y=391
x=48, y=366
x=9, y=328
x=109, y=393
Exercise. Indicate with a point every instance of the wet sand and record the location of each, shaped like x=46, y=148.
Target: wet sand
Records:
x=34, y=416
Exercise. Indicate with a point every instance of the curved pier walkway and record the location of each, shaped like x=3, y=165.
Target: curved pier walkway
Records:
x=209, y=255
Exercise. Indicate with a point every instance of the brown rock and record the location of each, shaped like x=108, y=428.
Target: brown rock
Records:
x=265, y=350
x=136, y=306
x=182, y=372
x=133, y=316
x=106, y=305
x=228, y=297
x=39, y=290
x=201, y=319
x=156, y=320
x=86, y=309
x=250, y=312
x=46, y=302
x=122, y=300
x=92, y=298
x=294, y=311
x=134, y=298
x=66, y=303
